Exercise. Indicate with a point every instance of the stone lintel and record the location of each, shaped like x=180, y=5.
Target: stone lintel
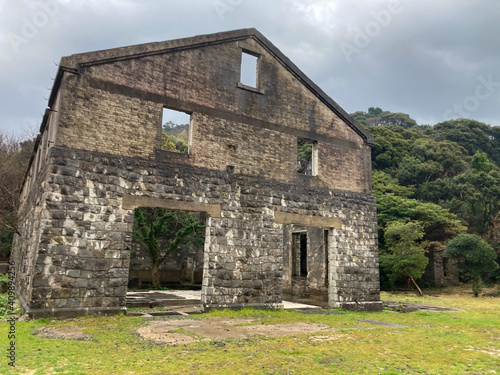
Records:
x=307, y=220
x=131, y=202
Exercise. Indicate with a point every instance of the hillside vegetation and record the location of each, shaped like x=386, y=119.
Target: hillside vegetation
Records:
x=443, y=178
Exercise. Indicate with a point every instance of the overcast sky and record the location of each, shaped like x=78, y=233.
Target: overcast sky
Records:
x=432, y=59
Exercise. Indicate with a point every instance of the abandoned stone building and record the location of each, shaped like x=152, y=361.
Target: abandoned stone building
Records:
x=441, y=270
x=270, y=230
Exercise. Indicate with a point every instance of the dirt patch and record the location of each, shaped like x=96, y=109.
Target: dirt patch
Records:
x=317, y=312
x=220, y=329
x=411, y=307
x=492, y=352
x=326, y=338
x=383, y=324
x=65, y=333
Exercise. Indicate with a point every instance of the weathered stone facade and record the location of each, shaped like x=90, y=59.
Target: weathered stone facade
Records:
x=441, y=269
x=98, y=157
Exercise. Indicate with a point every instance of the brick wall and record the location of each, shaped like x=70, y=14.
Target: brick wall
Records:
x=116, y=108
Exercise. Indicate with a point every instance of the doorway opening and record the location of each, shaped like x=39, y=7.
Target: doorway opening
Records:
x=306, y=264
x=167, y=249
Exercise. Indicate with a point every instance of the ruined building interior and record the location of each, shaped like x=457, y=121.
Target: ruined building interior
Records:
x=270, y=230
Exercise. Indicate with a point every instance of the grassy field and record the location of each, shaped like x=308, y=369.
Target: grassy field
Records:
x=432, y=343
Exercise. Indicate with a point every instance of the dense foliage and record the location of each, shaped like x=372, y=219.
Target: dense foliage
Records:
x=445, y=176
x=175, y=137
x=405, y=257
x=14, y=157
x=476, y=257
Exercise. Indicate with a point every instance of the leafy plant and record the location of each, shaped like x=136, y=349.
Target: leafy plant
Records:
x=475, y=256
x=406, y=256
x=161, y=232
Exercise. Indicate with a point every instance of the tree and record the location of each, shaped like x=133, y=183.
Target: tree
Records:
x=176, y=143
x=161, y=232
x=406, y=256
x=384, y=183
x=174, y=137
x=475, y=256
x=475, y=194
x=377, y=117
x=388, y=118
x=472, y=135
x=438, y=223
x=391, y=144
x=374, y=111
x=14, y=159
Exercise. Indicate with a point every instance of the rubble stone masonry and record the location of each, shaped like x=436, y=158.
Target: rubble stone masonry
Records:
x=99, y=157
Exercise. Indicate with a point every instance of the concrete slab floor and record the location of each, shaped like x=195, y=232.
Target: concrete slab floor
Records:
x=176, y=298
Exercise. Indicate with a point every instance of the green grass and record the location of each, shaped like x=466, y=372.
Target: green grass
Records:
x=434, y=343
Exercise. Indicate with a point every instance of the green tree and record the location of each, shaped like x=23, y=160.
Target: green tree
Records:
x=174, y=137
x=176, y=143
x=475, y=194
x=439, y=224
x=472, y=135
x=475, y=256
x=384, y=183
x=377, y=117
x=480, y=163
x=374, y=111
x=304, y=155
x=391, y=144
x=388, y=118
x=161, y=232
x=14, y=160
x=405, y=256
x=304, y=150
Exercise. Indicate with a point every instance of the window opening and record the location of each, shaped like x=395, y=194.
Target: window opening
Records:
x=299, y=254
x=303, y=255
x=307, y=157
x=446, y=266
x=327, y=263
x=248, y=74
x=176, y=130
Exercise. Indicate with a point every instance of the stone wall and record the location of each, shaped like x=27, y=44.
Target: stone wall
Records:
x=315, y=284
x=125, y=99
x=441, y=270
x=84, y=253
